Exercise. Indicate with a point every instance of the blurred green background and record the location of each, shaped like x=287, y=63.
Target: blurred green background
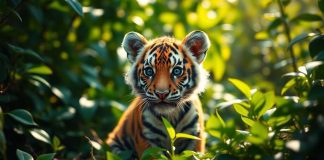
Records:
x=62, y=62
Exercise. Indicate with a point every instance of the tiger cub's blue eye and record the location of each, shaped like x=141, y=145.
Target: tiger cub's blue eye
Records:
x=177, y=71
x=148, y=71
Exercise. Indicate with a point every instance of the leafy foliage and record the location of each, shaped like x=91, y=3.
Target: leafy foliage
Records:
x=62, y=88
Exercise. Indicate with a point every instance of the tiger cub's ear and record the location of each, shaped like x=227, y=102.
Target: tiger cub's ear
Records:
x=132, y=43
x=197, y=42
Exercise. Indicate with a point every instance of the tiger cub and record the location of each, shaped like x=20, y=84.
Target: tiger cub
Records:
x=166, y=76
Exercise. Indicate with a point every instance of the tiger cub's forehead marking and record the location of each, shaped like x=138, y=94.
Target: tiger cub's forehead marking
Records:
x=163, y=51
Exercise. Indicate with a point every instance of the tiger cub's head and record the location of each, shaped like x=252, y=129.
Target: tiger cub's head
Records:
x=165, y=72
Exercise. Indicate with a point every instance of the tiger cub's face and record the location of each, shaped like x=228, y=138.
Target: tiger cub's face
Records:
x=165, y=71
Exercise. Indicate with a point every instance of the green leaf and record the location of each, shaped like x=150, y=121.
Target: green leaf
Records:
x=22, y=116
x=220, y=119
x=307, y=17
x=213, y=122
x=300, y=38
x=169, y=128
x=111, y=156
x=40, y=70
x=259, y=133
x=40, y=135
x=23, y=155
x=215, y=133
x=56, y=144
x=48, y=156
x=185, y=135
x=213, y=126
x=294, y=74
x=241, y=110
x=188, y=153
x=321, y=5
x=16, y=14
x=274, y=24
x=257, y=102
x=312, y=65
x=41, y=80
x=154, y=153
x=243, y=87
x=316, y=45
x=278, y=121
x=223, y=105
x=247, y=121
x=319, y=56
x=288, y=85
x=269, y=103
x=259, y=130
x=76, y=6
x=23, y=51
x=242, y=132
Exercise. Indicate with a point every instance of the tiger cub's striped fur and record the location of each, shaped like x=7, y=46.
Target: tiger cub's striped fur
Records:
x=166, y=75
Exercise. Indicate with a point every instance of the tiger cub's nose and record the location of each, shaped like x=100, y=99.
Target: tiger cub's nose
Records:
x=162, y=94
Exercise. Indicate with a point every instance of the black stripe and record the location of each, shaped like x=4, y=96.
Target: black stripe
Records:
x=193, y=77
x=183, y=79
x=119, y=142
x=175, y=60
x=125, y=139
x=156, y=141
x=189, y=72
x=153, y=129
x=127, y=144
x=183, y=112
x=153, y=50
x=194, y=74
x=175, y=45
x=180, y=88
x=174, y=50
x=191, y=124
x=163, y=49
x=173, y=93
x=153, y=45
x=185, y=61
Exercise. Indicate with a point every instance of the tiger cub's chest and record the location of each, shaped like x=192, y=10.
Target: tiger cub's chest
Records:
x=184, y=120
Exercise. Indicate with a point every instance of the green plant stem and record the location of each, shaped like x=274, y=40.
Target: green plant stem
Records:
x=287, y=33
x=172, y=151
